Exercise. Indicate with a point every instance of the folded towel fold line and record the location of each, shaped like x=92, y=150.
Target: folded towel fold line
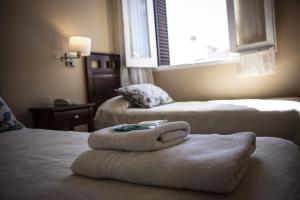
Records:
x=169, y=136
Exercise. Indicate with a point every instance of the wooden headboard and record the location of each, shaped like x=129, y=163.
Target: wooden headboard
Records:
x=103, y=76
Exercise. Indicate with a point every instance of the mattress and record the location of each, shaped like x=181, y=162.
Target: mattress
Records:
x=270, y=117
x=35, y=164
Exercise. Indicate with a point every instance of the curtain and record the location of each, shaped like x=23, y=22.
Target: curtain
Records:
x=132, y=75
x=139, y=32
x=260, y=63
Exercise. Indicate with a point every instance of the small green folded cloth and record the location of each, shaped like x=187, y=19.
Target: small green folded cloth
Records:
x=131, y=127
x=139, y=126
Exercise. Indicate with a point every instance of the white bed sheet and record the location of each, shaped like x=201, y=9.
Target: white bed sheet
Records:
x=35, y=164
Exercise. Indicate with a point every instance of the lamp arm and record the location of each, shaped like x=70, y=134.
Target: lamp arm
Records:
x=69, y=59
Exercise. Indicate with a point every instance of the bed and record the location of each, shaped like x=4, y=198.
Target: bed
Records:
x=35, y=164
x=272, y=117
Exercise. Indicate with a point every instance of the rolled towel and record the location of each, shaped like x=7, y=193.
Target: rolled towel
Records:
x=157, y=137
x=214, y=163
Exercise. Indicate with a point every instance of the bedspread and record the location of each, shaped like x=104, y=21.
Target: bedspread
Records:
x=35, y=164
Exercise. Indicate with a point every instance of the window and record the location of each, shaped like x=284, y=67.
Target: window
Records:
x=176, y=32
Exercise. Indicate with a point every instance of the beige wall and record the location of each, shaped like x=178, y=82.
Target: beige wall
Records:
x=33, y=37
x=221, y=81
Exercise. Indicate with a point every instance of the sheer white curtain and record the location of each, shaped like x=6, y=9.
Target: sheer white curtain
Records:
x=132, y=75
x=139, y=32
x=260, y=63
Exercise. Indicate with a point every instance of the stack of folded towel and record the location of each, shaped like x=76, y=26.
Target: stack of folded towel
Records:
x=164, y=154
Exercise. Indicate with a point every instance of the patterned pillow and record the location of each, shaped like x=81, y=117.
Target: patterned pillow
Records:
x=145, y=95
x=8, y=121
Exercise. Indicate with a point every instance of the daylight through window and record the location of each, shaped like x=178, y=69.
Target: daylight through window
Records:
x=197, y=30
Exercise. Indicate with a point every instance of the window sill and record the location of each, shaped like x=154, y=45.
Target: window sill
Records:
x=201, y=64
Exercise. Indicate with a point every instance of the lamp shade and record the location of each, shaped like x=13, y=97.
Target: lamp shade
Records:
x=80, y=44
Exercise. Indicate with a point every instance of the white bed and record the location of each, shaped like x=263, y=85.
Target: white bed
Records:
x=35, y=164
x=270, y=117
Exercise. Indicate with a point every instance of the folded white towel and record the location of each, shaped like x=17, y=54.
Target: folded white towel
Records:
x=163, y=136
x=214, y=163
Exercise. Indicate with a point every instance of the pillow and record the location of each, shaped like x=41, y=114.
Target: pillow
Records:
x=8, y=121
x=145, y=95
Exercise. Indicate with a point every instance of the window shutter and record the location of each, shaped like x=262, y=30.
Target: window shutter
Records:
x=161, y=26
x=251, y=25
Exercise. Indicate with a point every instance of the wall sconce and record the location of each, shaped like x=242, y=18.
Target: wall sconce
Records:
x=78, y=46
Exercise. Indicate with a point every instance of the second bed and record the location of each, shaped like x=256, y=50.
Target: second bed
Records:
x=268, y=117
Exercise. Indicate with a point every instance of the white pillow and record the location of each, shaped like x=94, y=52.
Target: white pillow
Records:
x=145, y=95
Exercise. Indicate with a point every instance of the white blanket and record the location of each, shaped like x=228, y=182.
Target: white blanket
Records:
x=163, y=136
x=214, y=163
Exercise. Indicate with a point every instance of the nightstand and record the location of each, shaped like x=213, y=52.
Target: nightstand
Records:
x=63, y=117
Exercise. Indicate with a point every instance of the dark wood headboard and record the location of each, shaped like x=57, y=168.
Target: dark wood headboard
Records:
x=103, y=76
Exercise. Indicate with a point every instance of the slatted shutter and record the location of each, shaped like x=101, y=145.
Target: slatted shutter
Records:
x=161, y=25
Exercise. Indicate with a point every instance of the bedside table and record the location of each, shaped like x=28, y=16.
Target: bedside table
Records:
x=63, y=117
